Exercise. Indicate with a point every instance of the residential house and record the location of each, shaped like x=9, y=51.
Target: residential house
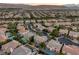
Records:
x=3, y=37
x=71, y=49
x=54, y=45
x=39, y=39
x=21, y=28
x=63, y=31
x=22, y=50
x=50, y=29
x=73, y=34
x=9, y=47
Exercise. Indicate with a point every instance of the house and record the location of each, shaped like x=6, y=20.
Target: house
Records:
x=48, y=24
x=71, y=49
x=63, y=31
x=9, y=47
x=63, y=23
x=74, y=28
x=28, y=34
x=3, y=37
x=50, y=29
x=74, y=35
x=22, y=50
x=39, y=26
x=21, y=28
x=24, y=32
x=54, y=45
x=39, y=39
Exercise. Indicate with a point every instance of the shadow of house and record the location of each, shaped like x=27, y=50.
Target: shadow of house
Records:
x=67, y=41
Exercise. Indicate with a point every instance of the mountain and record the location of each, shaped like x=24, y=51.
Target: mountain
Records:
x=70, y=5
x=48, y=6
x=76, y=6
x=25, y=6
x=5, y=5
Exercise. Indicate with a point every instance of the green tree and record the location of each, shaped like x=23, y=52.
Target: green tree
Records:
x=42, y=45
x=12, y=29
x=57, y=15
x=55, y=32
x=31, y=41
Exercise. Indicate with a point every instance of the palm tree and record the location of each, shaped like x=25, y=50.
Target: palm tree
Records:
x=24, y=23
x=61, y=49
x=0, y=46
x=69, y=29
x=31, y=40
x=36, y=21
x=77, y=26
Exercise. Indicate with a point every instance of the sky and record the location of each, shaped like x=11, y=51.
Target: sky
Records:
x=39, y=2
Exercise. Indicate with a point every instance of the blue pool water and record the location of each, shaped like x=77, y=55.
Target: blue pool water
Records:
x=48, y=52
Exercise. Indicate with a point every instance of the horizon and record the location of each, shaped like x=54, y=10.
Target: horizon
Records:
x=41, y=2
x=34, y=3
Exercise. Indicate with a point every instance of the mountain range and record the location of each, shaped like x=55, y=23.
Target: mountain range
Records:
x=25, y=6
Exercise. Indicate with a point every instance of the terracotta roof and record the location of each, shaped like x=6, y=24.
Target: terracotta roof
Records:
x=3, y=38
x=11, y=45
x=22, y=50
x=73, y=50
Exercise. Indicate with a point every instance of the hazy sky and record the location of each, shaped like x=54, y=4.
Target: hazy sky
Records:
x=36, y=2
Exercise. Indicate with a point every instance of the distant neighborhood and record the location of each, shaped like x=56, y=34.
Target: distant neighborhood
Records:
x=52, y=30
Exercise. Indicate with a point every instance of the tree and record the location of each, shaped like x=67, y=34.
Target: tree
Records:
x=55, y=32
x=0, y=46
x=12, y=29
x=77, y=26
x=61, y=49
x=45, y=30
x=24, y=23
x=57, y=15
x=31, y=40
x=42, y=45
x=69, y=29
x=78, y=38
